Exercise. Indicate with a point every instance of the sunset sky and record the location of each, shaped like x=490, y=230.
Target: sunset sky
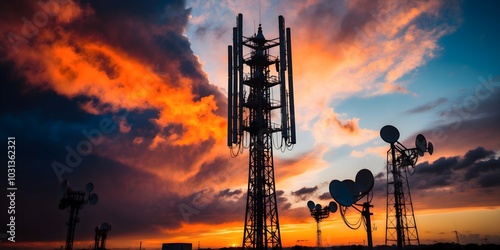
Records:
x=138, y=92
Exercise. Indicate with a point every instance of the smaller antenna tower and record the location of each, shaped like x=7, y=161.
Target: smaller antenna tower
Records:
x=401, y=226
x=75, y=200
x=101, y=233
x=319, y=213
x=348, y=192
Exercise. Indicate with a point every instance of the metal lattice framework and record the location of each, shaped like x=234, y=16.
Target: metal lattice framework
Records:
x=401, y=227
x=74, y=201
x=251, y=102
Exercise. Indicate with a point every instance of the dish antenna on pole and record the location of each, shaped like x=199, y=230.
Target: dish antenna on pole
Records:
x=320, y=213
x=348, y=192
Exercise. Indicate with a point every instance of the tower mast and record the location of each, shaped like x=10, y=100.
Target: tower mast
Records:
x=401, y=227
x=250, y=103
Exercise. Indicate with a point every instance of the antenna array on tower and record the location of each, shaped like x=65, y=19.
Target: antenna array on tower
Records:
x=251, y=100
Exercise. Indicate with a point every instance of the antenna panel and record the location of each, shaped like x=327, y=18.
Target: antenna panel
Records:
x=282, y=68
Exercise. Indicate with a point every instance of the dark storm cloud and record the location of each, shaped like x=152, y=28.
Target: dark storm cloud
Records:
x=474, y=155
x=304, y=193
x=205, y=206
x=380, y=184
x=283, y=203
x=482, y=167
x=441, y=166
x=217, y=31
x=325, y=196
x=202, y=30
x=131, y=198
x=466, y=180
x=229, y=193
x=471, y=169
x=428, y=106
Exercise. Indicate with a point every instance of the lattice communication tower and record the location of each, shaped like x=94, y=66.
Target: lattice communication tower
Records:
x=257, y=97
x=401, y=227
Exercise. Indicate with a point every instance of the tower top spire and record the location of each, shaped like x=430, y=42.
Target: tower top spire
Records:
x=260, y=35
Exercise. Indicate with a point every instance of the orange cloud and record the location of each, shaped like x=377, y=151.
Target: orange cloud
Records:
x=331, y=130
x=72, y=66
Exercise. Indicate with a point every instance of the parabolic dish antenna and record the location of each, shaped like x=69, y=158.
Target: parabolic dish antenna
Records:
x=353, y=189
x=430, y=148
x=389, y=134
x=364, y=180
x=421, y=143
x=340, y=193
x=93, y=199
x=89, y=187
x=318, y=207
x=63, y=205
x=310, y=205
x=333, y=207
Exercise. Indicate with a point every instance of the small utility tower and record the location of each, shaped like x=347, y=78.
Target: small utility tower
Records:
x=401, y=227
x=74, y=201
x=260, y=103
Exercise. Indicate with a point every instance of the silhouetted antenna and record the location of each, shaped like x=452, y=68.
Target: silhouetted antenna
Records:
x=250, y=102
x=319, y=214
x=75, y=200
x=456, y=235
x=101, y=233
x=401, y=226
x=348, y=192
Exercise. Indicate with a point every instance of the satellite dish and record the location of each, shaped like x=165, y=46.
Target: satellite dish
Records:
x=318, y=207
x=333, y=207
x=340, y=193
x=310, y=205
x=421, y=143
x=63, y=205
x=353, y=189
x=89, y=187
x=64, y=186
x=93, y=199
x=365, y=181
x=430, y=148
x=389, y=134
x=105, y=226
